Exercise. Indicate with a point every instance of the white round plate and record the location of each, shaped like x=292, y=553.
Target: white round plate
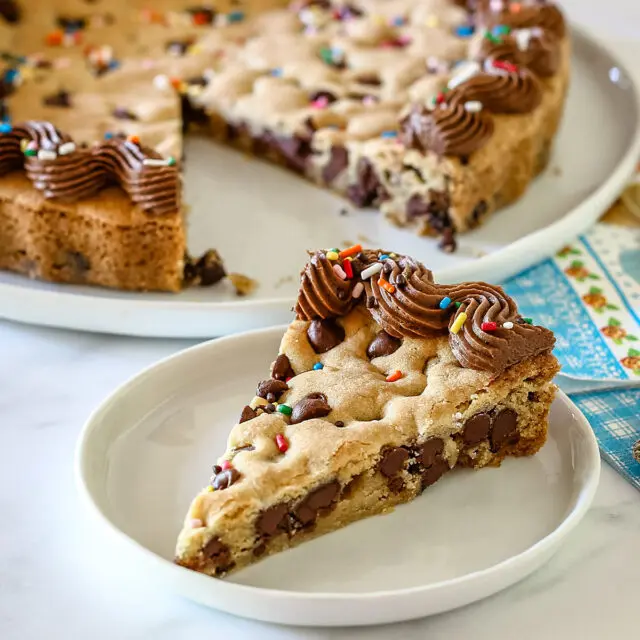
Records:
x=146, y=452
x=262, y=219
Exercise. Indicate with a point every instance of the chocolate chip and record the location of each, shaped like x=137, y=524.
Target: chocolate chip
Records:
x=371, y=79
x=476, y=428
x=178, y=47
x=400, y=281
x=324, y=335
x=339, y=424
x=259, y=550
x=210, y=268
x=313, y=405
x=434, y=473
x=435, y=208
x=247, y=414
x=532, y=396
x=70, y=25
x=216, y=469
x=274, y=387
x=504, y=427
x=225, y=478
x=122, y=113
x=268, y=408
x=294, y=150
x=479, y=210
x=60, y=99
x=10, y=11
x=273, y=520
x=430, y=452
x=396, y=484
x=383, y=345
x=319, y=95
x=392, y=461
x=78, y=262
x=217, y=551
x=367, y=190
x=448, y=241
x=338, y=162
x=281, y=369
x=322, y=498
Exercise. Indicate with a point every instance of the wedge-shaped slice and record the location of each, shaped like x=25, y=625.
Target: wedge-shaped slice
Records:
x=384, y=383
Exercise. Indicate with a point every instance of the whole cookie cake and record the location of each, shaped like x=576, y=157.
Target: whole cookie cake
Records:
x=436, y=111
x=384, y=382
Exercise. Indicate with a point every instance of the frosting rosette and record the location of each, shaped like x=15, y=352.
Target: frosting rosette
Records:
x=529, y=14
x=531, y=48
x=449, y=130
x=493, y=336
x=500, y=91
x=64, y=171
x=411, y=310
x=323, y=294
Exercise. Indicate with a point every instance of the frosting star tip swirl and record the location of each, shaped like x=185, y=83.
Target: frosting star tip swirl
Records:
x=486, y=332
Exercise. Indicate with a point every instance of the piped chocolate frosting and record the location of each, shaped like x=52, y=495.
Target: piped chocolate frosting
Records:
x=485, y=330
x=67, y=172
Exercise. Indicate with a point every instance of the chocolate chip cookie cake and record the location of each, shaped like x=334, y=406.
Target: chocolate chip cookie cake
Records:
x=435, y=111
x=384, y=382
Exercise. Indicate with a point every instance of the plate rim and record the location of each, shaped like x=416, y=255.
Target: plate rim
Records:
x=175, y=576
x=134, y=314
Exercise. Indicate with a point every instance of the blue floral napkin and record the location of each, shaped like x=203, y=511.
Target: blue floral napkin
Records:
x=589, y=294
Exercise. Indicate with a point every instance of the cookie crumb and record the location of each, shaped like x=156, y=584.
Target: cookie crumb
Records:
x=244, y=285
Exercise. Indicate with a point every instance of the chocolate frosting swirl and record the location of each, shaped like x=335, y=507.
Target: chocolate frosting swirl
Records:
x=76, y=173
x=546, y=16
x=500, y=91
x=541, y=56
x=322, y=293
x=447, y=130
x=412, y=308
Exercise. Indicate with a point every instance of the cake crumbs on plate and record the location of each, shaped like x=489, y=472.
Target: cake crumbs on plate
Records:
x=244, y=285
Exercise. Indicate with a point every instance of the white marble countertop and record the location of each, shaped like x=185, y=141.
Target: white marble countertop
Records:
x=57, y=581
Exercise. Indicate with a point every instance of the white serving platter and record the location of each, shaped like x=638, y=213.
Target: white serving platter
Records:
x=262, y=219
x=148, y=449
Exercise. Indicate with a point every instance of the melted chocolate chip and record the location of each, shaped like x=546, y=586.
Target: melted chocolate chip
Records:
x=210, y=268
x=272, y=521
x=70, y=25
x=324, y=335
x=504, y=428
x=178, y=47
x=339, y=424
x=322, y=498
x=476, y=428
x=338, y=162
x=383, y=345
x=326, y=95
x=368, y=189
x=78, y=262
x=435, y=209
x=392, y=461
x=122, y=113
x=247, y=414
x=312, y=406
x=225, y=478
x=448, y=241
x=259, y=550
x=371, y=79
x=429, y=453
x=434, y=473
x=271, y=387
x=218, y=552
x=10, y=11
x=60, y=99
x=281, y=369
